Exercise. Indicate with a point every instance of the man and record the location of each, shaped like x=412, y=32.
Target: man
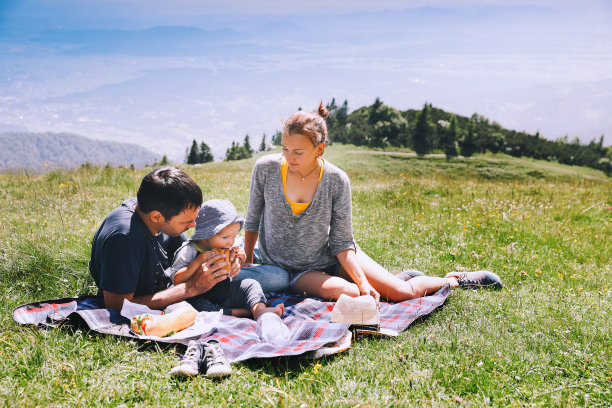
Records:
x=135, y=244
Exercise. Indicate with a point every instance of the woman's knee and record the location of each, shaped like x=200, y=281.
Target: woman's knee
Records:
x=343, y=288
x=399, y=292
x=324, y=286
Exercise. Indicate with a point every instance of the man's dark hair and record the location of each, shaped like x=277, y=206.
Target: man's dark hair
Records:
x=168, y=190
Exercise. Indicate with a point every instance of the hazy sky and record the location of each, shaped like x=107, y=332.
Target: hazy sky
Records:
x=161, y=73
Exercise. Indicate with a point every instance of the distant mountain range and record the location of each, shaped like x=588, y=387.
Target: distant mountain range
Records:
x=23, y=150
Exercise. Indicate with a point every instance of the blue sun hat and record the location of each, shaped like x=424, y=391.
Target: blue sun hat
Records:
x=214, y=215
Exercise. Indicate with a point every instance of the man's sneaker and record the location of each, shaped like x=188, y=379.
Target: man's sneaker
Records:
x=478, y=279
x=409, y=274
x=214, y=363
x=190, y=364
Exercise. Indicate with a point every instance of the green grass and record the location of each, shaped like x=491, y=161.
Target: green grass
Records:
x=544, y=340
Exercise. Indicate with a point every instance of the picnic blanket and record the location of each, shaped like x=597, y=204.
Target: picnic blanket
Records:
x=308, y=319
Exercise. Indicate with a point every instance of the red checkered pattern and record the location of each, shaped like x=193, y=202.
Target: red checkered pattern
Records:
x=307, y=319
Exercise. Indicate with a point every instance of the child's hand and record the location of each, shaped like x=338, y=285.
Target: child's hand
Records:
x=237, y=252
x=237, y=256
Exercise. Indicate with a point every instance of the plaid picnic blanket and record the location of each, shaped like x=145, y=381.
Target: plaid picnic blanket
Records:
x=308, y=319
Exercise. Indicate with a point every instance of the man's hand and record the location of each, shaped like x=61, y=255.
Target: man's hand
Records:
x=211, y=273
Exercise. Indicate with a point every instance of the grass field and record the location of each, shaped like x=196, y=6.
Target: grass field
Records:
x=544, y=340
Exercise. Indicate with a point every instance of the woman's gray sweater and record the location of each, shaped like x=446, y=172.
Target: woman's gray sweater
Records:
x=306, y=241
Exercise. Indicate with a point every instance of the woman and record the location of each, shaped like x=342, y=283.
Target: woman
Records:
x=300, y=210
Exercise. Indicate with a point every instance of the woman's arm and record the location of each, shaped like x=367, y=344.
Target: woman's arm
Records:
x=341, y=223
x=254, y=210
x=250, y=238
x=348, y=261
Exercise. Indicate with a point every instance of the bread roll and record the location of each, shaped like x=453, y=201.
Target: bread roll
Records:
x=165, y=324
x=226, y=253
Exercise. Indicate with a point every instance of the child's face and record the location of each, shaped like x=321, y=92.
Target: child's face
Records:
x=225, y=238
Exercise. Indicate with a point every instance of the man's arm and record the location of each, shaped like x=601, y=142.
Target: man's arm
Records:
x=185, y=273
x=157, y=300
x=203, y=280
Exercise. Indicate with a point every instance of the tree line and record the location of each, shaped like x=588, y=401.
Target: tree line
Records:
x=201, y=153
x=430, y=130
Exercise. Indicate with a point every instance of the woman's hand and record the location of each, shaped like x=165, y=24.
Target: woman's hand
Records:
x=367, y=289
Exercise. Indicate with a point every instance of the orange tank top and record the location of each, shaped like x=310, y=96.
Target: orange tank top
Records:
x=297, y=208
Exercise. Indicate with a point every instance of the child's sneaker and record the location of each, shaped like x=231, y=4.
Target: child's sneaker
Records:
x=214, y=363
x=190, y=364
x=478, y=279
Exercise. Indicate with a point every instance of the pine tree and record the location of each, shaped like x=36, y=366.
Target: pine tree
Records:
x=248, y=150
x=231, y=153
x=194, y=153
x=262, y=145
x=468, y=144
x=373, y=117
x=342, y=114
x=341, y=122
x=450, y=141
x=277, y=138
x=423, y=132
x=205, y=154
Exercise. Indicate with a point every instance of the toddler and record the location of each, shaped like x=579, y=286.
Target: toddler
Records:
x=217, y=225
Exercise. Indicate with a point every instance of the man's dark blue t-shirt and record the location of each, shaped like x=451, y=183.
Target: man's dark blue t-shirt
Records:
x=127, y=258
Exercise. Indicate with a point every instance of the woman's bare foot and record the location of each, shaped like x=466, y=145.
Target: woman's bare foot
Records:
x=261, y=308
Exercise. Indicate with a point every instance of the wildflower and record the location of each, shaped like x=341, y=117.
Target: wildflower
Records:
x=316, y=368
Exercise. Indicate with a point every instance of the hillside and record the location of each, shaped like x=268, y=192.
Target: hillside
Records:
x=544, y=340
x=20, y=150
